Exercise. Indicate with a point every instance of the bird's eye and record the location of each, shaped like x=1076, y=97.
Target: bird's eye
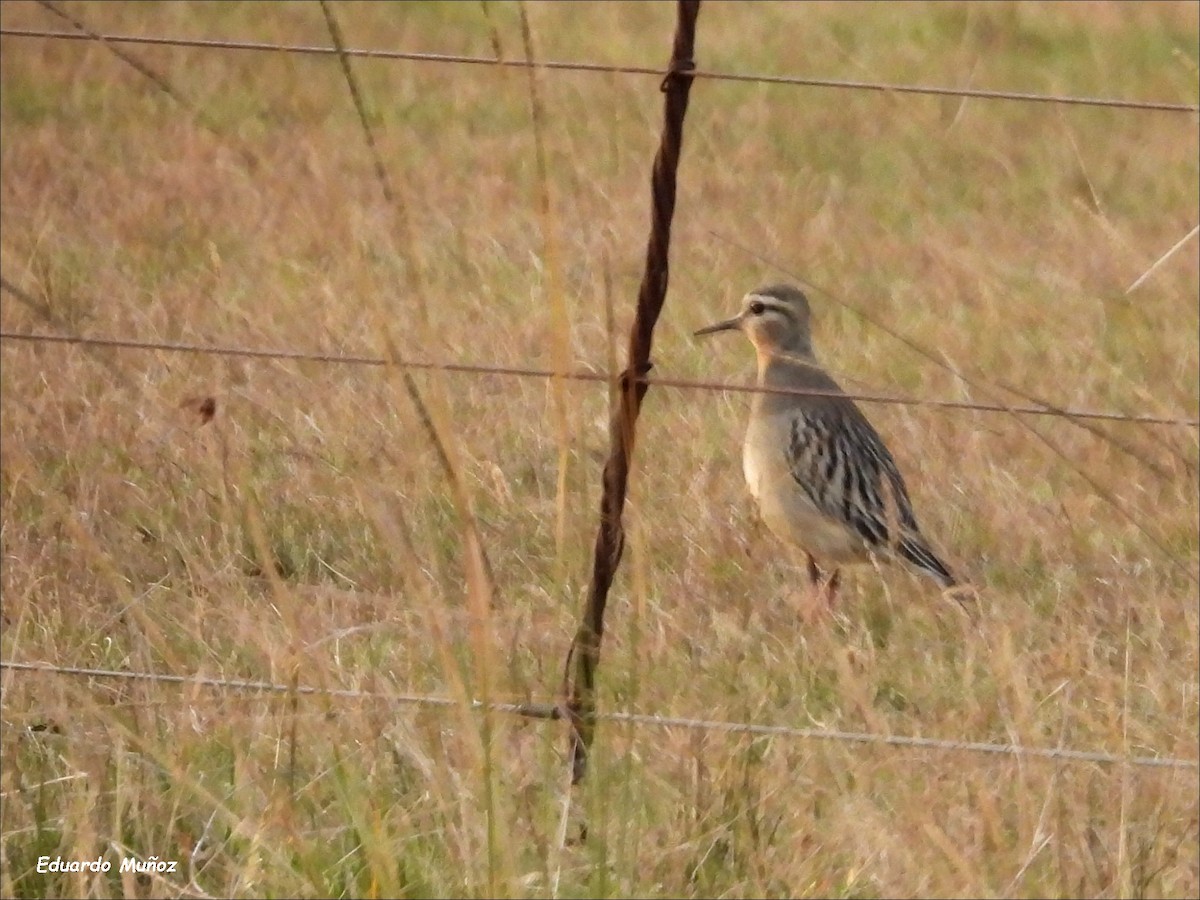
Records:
x=757, y=307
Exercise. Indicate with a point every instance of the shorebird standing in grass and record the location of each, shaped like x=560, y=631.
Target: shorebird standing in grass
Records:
x=822, y=476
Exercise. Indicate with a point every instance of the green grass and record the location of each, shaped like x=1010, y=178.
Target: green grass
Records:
x=1000, y=236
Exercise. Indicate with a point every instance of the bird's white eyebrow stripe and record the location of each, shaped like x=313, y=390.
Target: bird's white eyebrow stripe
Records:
x=774, y=304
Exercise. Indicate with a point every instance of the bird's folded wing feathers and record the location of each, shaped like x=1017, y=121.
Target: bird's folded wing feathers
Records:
x=848, y=473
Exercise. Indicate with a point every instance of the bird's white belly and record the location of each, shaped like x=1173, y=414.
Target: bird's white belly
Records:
x=785, y=507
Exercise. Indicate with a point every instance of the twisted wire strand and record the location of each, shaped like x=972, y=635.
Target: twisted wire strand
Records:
x=582, y=66
x=649, y=720
x=533, y=372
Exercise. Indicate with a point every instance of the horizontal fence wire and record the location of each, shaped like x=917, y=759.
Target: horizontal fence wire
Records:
x=526, y=372
x=650, y=720
x=553, y=711
x=571, y=66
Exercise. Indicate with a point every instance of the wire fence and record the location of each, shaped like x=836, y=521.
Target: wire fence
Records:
x=651, y=720
x=607, y=378
x=554, y=711
x=85, y=33
x=594, y=67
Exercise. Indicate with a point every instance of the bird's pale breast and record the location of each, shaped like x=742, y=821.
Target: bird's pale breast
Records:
x=783, y=504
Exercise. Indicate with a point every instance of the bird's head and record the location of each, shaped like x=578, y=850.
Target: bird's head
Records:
x=775, y=319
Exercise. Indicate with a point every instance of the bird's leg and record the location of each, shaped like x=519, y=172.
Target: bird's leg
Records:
x=834, y=581
x=814, y=573
x=820, y=595
x=826, y=591
x=825, y=588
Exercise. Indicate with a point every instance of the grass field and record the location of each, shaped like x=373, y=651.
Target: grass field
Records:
x=308, y=535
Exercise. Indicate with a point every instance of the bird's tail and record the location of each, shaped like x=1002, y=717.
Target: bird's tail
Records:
x=914, y=550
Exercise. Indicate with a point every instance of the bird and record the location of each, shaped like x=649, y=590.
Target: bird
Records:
x=823, y=479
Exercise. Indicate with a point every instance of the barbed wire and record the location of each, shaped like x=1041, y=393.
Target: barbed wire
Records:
x=651, y=720
x=575, y=66
x=531, y=372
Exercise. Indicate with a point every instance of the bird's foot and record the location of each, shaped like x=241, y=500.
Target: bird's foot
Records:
x=819, y=600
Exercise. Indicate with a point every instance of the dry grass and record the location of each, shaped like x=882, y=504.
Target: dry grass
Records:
x=1003, y=235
